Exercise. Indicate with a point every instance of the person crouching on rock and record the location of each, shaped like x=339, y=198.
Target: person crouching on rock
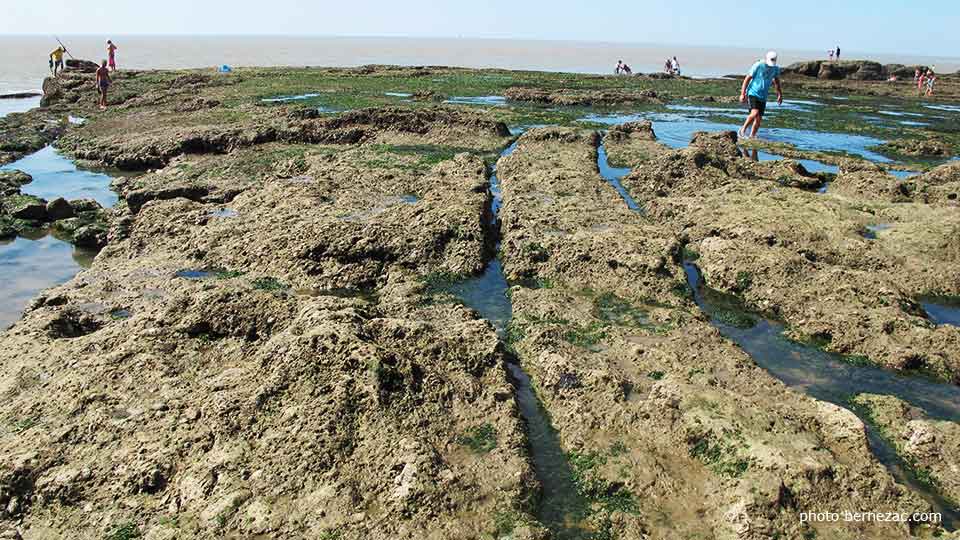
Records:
x=103, y=83
x=56, y=60
x=756, y=88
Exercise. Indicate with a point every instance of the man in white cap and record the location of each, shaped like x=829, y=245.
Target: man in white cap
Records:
x=756, y=88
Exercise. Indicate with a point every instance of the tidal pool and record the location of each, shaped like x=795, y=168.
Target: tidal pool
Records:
x=942, y=310
x=287, y=99
x=675, y=130
x=494, y=101
x=57, y=176
x=613, y=175
x=32, y=262
x=832, y=378
x=37, y=260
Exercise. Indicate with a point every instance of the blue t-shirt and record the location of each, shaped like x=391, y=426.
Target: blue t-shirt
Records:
x=763, y=76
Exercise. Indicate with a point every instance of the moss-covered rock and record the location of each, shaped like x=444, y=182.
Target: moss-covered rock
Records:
x=26, y=207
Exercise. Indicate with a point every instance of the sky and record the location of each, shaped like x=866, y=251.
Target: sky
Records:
x=921, y=27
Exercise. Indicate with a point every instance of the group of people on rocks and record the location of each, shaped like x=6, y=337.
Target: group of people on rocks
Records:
x=925, y=81
x=834, y=54
x=672, y=66
x=103, y=80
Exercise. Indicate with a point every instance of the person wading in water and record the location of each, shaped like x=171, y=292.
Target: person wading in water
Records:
x=756, y=88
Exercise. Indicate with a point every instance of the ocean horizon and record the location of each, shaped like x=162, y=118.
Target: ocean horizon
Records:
x=23, y=58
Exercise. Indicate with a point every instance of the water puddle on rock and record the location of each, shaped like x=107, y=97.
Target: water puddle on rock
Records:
x=194, y=274
x=942, y=310
x=613, y=175
x=57, y=176
x=37, y=260
x=560, y=507
x=31, y=263
x=490, y=101
x=947, y=108
x=870, y=231
x=224, y=213
x=831, y=378
x=288, y=99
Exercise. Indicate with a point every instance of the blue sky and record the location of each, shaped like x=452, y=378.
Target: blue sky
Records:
x=926, y=27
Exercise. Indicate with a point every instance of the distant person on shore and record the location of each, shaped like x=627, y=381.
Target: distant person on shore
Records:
x=675, y=66
x=56, y=60
x=756, y=88
x=931, y=81
x=668, y=67
x=830, y=52
x=103, y=84
x=626, y=70
x=838, y=53
x=112, y=55
x=921, y=83
x=916, y=76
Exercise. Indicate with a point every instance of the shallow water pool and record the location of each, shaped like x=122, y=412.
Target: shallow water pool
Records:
x=832, y=378
x=57, y=176
x=31, y=263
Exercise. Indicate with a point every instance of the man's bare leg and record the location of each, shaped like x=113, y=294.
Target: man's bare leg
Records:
x=756, y=125
x=751, y=118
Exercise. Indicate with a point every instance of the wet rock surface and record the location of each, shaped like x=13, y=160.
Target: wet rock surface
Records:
x=260, y=349
x=650, y=403
x=569, y=97
x=931, y=447
x=799, y=255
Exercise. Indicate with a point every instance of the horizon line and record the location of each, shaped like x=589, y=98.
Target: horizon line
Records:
x=462, y=37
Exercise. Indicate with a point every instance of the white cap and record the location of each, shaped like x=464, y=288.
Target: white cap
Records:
x=772, y=58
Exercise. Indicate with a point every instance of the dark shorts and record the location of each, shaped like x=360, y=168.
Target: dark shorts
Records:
x=758, y=104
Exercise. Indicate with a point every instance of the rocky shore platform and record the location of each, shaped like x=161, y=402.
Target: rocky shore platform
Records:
x=267, y=346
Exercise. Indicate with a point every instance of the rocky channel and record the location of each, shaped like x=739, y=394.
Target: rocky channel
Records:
x=278, y=339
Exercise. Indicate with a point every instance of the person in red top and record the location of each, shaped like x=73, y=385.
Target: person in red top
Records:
x=111, y=55
x=103, y=83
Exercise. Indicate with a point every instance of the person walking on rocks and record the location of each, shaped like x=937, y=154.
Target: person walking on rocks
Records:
x=837, y=56
x=112, y=55
x=756, y=88
x=56, y=60
x=103, y=84
x=675, y=66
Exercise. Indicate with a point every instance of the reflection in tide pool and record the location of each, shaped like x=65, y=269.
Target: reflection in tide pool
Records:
x=32, y=263
x=56, y=176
